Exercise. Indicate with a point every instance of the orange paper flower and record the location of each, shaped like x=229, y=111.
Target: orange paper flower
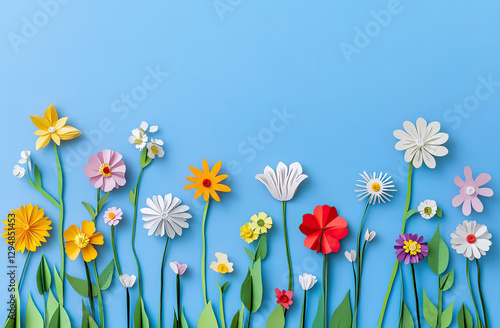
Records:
x=206, y=182
x=52, y=127
x=82, y=240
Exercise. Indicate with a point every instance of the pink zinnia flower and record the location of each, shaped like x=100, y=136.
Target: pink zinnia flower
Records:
x=178, y=268
x=469, y=190
x=106, y=170
x=113, y=216
x=284, y=297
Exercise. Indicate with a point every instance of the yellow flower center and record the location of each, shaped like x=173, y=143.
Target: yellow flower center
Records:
x=154, y=149
x=375, y=186
x=81, y=240
x=412, y=247
x=428, y=210
x=248, y=233
x=26, y=226
x=52, y=129
x=111, y=216
x=105, y=169
x=138, y=141
x=222, y=268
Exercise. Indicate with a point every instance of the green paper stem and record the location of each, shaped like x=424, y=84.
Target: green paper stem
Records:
x=440, y=302
x=221, y=304
x=325, y=289
x=24, y=269
x=396, y=263
x=483, y=304
x=415, y=290
x=115, y=255
x=358, y=247
x=161, y=282
x=60, y=184
x=288, y=257
x=97, y=204
x=472, y=295
x=128, y=308
x=178, y=285
x=99, y=296
x=89, y=288
x=204, y=253
x=303, y=314
x=136, y=196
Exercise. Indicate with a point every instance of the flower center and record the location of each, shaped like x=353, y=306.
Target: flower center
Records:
x=154, y=149
x=470, y=191
x=375, y=186
x=412, y=247
x=52, y=129
x=207, y=183
x=471, y=239
x=248, y=233
x=105, y=169
x=427, y=210
x=222, y=268
x=420, y=142
x=164, y=215
x=284, y=299
x=26, y=226
x=111, y=216
x=261, y=222
x=81, y=240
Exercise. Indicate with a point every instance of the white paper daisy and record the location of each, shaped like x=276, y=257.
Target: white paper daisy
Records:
x=471, y=239
x=427, y=209
x=138, y=138
x=155, y=148
x=375, y=186
x=165, y=215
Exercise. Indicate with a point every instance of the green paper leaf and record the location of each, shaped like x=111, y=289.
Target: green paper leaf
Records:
x=131, y=196
x=54, y=320
x=276, y=318
x=249, y=254
x=184, y=323
x=464, y=318
x=446, y=281
x=87, y=320
x=319, y=319
x=257, y=290
x=439, y=254
x=235, y=321
x=52, y=306
x=207, y=318
x=430, y=312
x=175, y=320
x=106, y=276
x=63, y=317
x=439, y=212
x=140, y=317
x=18, y=306
x=246, y=291
x=101, y=202
x=224, y=287
x=33, y=317
x=89, y=209
x=342, y=317
x=447, y=316
x=80, y=286
x=59, y=284
x=261, y=251
x=43, y=278
x=144, y=160
x=410, y=213
x=406, y=320
x=38, y=177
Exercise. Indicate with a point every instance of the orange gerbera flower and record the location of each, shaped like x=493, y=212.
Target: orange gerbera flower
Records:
x=206, y=182
x=82, y=240
x=52, y=127
x=30, y=228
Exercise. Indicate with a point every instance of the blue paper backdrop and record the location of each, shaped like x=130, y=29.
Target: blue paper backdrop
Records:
x=253, y=83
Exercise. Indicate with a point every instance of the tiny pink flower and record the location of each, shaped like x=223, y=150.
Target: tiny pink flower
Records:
x=106, y=170
x=178, y=268
x=470, y=189
x=113, y=216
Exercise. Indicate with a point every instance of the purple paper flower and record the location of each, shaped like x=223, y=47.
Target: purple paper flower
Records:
x=411, y=248
x=470, y=189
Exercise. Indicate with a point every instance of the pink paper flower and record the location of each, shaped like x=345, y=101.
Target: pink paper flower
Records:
x=178, y=268
x=284, y=298
x=469, y=190
x=106, y=170
x=113, y=216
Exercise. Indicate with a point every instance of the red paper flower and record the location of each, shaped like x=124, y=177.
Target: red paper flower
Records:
x=284, y=298
x=324, y=229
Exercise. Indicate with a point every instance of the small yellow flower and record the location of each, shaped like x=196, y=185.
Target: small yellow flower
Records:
x=248, y=234
x=82, y=241
x=222, y=265
x=52, y=127
x=261, y=222
x=206, y=182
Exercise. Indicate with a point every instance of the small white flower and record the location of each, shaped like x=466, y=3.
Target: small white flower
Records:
x=127, y=281
x=369, y=235
x=307, y=281
x=138, y=138
x=165, y=215
x=350, y=256
x=283, y=183
x=155, y=148
x=376, y=187
x=471, y=240
x=18, y=171
x=25, y=158
x=152, y=128
x=427, y=209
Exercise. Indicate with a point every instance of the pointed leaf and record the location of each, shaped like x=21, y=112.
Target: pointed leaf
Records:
x=18, y=305
x=33, y=317
x=256, y=285
x=249, y=254
x=439, y=254
x=207, y=318
x=464, y=318
x=447, y=316
x=59, y=284
x=87, y=320
x=101, y=202
x=52, y=306
x=234, y=322
x=410, y=213
x=106, y=276
x=140, y=317
x=43, y=278
x=131, y=196
x=342, y=317
x=277, y=318
x=89, y=209
x=446, y=281
x=319, y=319
x=439, y=212
x=175, y=320
x=144, y=160
x=406, y=320
x=224, y=287
x=63, y=317
x=246, y=291
x=80, y=286
x=261, y=251
x=38, y=177
x=430, y=312
x=184, y=323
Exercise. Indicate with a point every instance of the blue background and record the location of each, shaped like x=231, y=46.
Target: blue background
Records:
x=226, y=73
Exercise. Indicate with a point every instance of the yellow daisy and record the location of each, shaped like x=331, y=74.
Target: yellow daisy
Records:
x=52, y=127
x=30, y=227
x=206, y=182
x=261, y=222
x=248, y=234
x=82, y=240
x=222, y=265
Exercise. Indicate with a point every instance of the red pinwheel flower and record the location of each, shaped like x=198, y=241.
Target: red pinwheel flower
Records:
x=284, y=298
x=323, y=229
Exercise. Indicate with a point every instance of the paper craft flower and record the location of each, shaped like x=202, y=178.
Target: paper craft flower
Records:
x=283, y=183
x=248, y=234
x=155, y=148
x=470, y=189
x=284, y=298
x=25, y=158
x=113, y=216
x=376, y=187
x=427, y=209
x=138, y=138
x=144, y=127
x=106, y=170
x=307, y=281
x=323, y=229
x=178, y=268
x=471, y=240
x=369, y=235
x=52, y=127
x=410, y=248
x=165, y=215
x=30, y=227
x=207, y=182
x=350, y=256
x=222, y=265
x=77, y=241
x=18, y=171
x=261, y=222
x=127, y=281
x=422, y=142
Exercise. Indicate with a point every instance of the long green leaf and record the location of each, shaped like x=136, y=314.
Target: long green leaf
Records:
x=80, y=286
x=207, y=318
x=63, y=317
x=140, y=317
x=447, y=316
x=59, y=284
x=464, y=318
x=33, y=317
x=43, y=278
x=277, y=318
x=38, y=177
x=430, y=312
x=261, y=251
x=342, y=317
x=406, y=320
x=319, y=319
x=184, y=323
x=246, y=291
x=106, y=276
x=439, y=254
x=256, y=285
x=89, y=209
x=101, y=202
x=234, y=322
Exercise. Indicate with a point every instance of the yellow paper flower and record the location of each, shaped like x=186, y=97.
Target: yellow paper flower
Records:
x=222, y=265
x=52, y=127
x=261, y=222
x=206, y=182
x=30, y=227
x=248, y=234
x=82, y=240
